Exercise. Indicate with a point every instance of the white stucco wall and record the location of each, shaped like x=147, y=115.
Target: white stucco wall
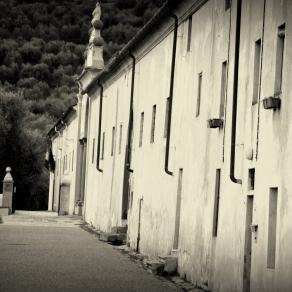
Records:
x=104, y=190
x=64, y=148
x=215, y=262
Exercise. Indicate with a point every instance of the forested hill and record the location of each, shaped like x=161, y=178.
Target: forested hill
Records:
x=42, y=47
x=42, y=44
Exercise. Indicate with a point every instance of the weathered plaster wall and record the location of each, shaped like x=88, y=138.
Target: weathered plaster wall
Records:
x=64, y=148
x=104, y=190
x=215, y=261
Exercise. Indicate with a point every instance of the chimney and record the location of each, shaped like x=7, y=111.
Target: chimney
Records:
x=94, y=50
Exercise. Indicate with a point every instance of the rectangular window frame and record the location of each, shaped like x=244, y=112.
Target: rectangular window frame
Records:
x=93, y=148
x=113, y=141
x=120, y=138
x=141, y=129
x=223, y=89
x=199, y=94
x=216, y=202
x=280, y=59
x=153, y=121
x=167, y=108
x=102, y=146
x=190, y=31
x=272, y=228
x=256, y=72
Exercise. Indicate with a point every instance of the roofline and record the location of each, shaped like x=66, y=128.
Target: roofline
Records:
x=119, y=57
x=64, y=118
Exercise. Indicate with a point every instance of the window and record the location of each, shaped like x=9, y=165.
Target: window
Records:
x=272, y=228
x=93, y=146
x=280, y=59
x=153, y=124
x=190, y=26
x=72, y=159
x=141, y=129
x=227, y=4
x=216, y=202
x=178, y=210
x=256, y=71
x=223, y=89
x=166, y=117
x=113, y=140
x=200, y=78
x=120, y=138
x=102, y=147
x=251, y=178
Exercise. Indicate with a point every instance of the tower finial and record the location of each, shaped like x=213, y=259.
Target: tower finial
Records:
x=94, y=51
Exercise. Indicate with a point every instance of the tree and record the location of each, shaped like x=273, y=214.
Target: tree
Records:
x=31, y=53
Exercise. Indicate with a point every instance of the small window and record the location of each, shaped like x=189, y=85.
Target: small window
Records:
x=153, y=124
x=166, y=117
x=272, y=228
x=93, y=146
x=227, y=4
x=200, y=79
x=251, y=179
x=216, y=202
x=190, y=27
x=72, y=160
x=223, y=89
x=141, y=130
x=102, y=146
x=280, y=59
x=256, y=71
x=120, y=138
x=113, y=141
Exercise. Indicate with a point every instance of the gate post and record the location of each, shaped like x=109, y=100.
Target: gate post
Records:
x=7, y=190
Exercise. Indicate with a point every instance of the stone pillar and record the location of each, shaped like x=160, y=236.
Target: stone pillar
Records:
x=7, y=190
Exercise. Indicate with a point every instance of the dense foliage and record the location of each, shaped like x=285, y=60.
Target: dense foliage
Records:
x=41, y=51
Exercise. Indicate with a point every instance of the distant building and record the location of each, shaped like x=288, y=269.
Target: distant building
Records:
x=189, y=142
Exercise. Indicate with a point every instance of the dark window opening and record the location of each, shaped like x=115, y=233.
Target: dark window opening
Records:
x=141, y=130
x=153, y=124
x=102, y=147
x=200, y=78
x=190, y=27
x=272, y=228
x=280, y=59
x=251, y=179
x=256, y=72
x=216, y=202
x=227, y=4
x=166, y=117
x=120, y=138
x=223, y=89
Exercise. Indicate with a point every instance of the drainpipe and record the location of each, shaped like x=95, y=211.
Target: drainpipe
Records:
x=235, y=94
x=139, y=225
x=99, y=126
x=129, y=146
x=166, y=166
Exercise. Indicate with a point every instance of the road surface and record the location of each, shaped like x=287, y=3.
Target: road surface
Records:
x=42, y=252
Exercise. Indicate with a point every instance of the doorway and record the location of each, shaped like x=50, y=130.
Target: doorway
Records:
x=248, y=244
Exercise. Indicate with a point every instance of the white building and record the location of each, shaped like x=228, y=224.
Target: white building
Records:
x=189, y=142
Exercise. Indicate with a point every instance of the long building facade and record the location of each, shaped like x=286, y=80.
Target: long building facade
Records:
x=188, y=142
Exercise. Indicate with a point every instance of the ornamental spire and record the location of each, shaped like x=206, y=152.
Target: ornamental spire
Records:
x=94, y=51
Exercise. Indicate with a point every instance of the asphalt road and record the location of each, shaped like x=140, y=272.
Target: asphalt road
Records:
x=55, y=254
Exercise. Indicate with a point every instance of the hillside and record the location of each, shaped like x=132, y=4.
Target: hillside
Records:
x=41, y=51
